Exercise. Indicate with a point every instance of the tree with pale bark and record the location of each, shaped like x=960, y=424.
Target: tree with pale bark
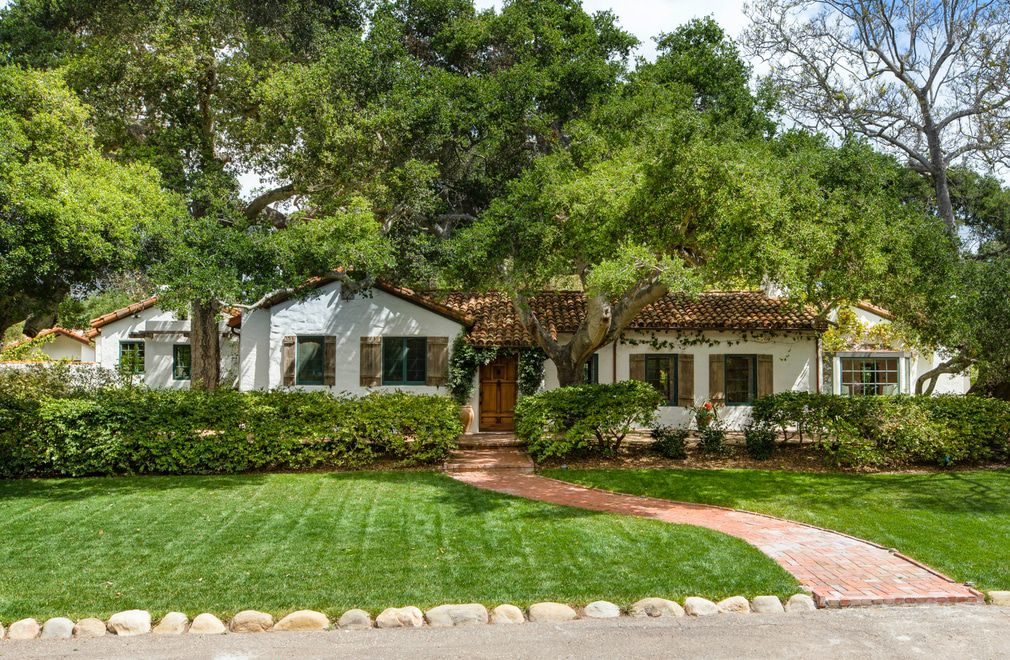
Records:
x=923, y=79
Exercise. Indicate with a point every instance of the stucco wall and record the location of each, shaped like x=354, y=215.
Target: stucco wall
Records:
x=794, y=359
x=65, y=348
x=157, y=349
x=916, y=364
x=328, y=313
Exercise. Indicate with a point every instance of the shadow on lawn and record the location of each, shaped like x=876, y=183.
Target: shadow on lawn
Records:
x=435, y=487
x=82, y=488
x=975, y=492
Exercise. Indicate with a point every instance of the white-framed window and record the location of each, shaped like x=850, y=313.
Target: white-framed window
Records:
x=874, y=374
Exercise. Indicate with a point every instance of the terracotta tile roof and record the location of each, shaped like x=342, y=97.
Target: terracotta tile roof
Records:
x=121, y=313
x=76, y=335
x=879, y=311
x=496, y=323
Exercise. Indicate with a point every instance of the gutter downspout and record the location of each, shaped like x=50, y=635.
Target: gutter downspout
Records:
x=613, y=365
x=818, y=363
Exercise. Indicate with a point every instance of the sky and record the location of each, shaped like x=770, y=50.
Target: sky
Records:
x=648, y=18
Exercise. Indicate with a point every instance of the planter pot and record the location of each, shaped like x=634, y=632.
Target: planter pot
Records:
x=466, y=417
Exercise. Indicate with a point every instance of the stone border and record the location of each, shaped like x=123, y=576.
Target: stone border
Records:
x=138, y=622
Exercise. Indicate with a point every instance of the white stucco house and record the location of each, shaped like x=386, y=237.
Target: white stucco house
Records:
x=726, y=347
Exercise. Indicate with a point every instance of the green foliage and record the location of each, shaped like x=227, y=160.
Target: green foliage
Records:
x=68, y=216
x=760, y=440
x=712, y=439
x=466, y=360
x=893, y=431
x=670, y=442
x=28, y=350
x=585, y=419
x=77, y=431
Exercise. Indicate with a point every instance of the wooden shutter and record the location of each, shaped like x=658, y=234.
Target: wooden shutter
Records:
x=685, y=380
x=438, y=361
x=765, y=368
x=288, y=361
x=717, y=378
x=637, y=367
x=329, y=361
x=371, y=361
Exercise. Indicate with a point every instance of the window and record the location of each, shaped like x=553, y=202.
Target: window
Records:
x=869, y=376
x=591, y=369
x=182, y=361
x=404, y=360
x=661, y=373
x=741, y=379
x=131, y=357
x=309, y=361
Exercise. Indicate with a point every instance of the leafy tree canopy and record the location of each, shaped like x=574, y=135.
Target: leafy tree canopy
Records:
x=68, y=216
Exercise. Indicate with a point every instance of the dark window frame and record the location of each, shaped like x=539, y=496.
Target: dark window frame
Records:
x=139, y=367
x=591, y=369
x=175, y=362
x=404, y=344
x=753, y=378
x=673, y=361
x=321, y=356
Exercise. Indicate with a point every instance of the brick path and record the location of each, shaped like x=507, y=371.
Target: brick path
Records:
x=840, y=570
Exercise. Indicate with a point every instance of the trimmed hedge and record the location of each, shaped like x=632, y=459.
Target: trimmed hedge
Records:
x=893, y=431
x=584, y=419
x=125, y=430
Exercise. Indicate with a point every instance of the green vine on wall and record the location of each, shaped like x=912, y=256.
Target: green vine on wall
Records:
x=684, y=339
x=850, y=334
x=466, y=359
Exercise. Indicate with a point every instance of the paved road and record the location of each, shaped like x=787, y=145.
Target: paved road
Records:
x=952, y=631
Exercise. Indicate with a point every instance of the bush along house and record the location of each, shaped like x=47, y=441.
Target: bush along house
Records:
x=727, y=348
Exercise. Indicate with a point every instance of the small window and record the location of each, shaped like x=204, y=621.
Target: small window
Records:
x=661, y=373
x=131, y=357
x=741, y=379
x=872, y=376
x=591, y=370
x=182, y=362
x=404, y=360
x=309, y=361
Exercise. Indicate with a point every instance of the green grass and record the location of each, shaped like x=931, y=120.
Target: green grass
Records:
x=957, y=522
x=90, y=547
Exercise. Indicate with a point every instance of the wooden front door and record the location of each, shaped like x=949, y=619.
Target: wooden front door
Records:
x=498, y=390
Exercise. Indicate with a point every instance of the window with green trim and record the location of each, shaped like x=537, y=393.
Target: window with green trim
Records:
x=131, y=357
x=309, y=361
x=182, y=362
x=741, y=379
x=404, y=360
x=591, y=369
x=661, y=373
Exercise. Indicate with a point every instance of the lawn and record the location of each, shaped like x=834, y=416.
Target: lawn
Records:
x=957, y=522
x=90, y=547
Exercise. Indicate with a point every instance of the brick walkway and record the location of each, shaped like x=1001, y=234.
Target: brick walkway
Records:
x=840, y=570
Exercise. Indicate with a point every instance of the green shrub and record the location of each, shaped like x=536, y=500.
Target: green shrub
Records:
x=121, y=430
x=760, y=440
x=670, y=442
x=892, y=431
x=585, y=418
x=712, y=439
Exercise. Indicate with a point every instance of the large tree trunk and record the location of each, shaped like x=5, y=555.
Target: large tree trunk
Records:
x=603, y=323
x=206, y=346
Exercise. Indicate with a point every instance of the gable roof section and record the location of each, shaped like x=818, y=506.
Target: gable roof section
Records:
x=497, y=324
x=425, y=301
x=77, y=335
x=867, y=306
x=121, y=313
